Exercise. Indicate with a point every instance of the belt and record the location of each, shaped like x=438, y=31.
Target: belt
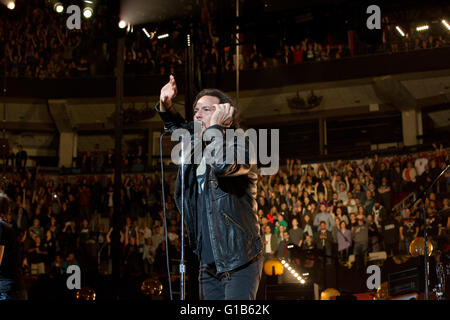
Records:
x=227, y=274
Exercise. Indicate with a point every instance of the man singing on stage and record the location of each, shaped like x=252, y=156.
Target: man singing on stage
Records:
x=219, y=201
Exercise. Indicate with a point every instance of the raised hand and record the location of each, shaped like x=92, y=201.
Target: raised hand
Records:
x=168, y=93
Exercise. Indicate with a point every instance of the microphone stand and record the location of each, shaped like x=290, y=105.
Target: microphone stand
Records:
x=182, y=266
x=423, y=195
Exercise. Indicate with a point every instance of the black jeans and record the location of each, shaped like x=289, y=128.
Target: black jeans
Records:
x=239, y=284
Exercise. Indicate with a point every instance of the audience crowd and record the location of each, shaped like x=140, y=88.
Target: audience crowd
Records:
x=35, y=43
x=338, y=209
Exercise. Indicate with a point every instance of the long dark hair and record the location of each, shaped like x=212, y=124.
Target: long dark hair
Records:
x=223, y=98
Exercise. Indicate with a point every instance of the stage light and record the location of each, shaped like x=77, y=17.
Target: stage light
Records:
x=273, y=267
x=302, y=281
x=422, y=28
x=88, y=12
x=58, y=7
x=11, y=5
x=445, y=23
x=163, y=36
x=88, y=1
x=130, y=28
x=400, y=31
x=146, y=32
x=122, y=24
x=152, y=286
x=283, y=262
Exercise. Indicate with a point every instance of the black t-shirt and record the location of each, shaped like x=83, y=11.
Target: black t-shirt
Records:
x=432, y=226
x=409, y=227
x=390, y=230
x=10, y=262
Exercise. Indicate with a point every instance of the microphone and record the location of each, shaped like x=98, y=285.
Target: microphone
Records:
x=188, y=126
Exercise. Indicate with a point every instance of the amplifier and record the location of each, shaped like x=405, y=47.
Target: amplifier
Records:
x=403, y=282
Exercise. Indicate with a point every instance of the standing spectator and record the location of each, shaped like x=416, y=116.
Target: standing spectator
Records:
x=325, y=216
x=20, y=218
x=282, y=250
x=384, y=191
x=396, y=177
x=49, y=245
x=36, y=231
x=350, y=204
x=344, y=240
x=131, y=256
x=21, y=159
x=295, y=233
x=148, y=256
x=374, y=237
x=369, y=202
x=271, y=242
x=97, y=159
x=409, y=229
x=409, y=176
x=360, y=237
x=70, y=260
x=157, y=236
x=378, y=212
x=84, y=200
x=280, y=222
x=37, y=256
x=390, y=234
x=323, y=240
x=298, y=53
x=342, y=217
x=307, y=225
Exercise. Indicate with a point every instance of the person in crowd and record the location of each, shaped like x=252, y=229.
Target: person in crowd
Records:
x=271, y=242
x=344, y=240
x=324, y=216
x=323, y=241
x=360, y=236
x=408, y=230
x=295, y=233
